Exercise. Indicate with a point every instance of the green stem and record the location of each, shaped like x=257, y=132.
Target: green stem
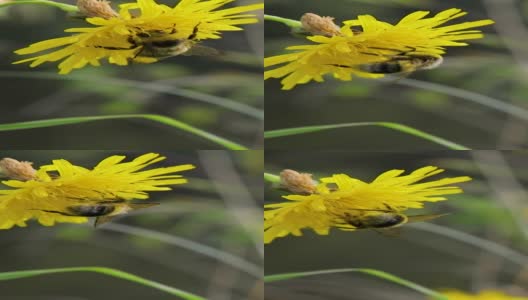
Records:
x=105, y=271
x=63, y=6
x=157, y=118
x=288, y=22
x=375, y=273
x=271, y=178
x=396, y=126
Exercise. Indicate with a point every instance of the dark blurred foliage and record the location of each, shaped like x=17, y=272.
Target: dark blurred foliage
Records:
x=493, y=207
x=110, y=89
x=196, y=211
x=494, y=67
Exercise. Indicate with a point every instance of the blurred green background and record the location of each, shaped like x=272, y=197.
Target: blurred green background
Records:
x=495, y=67
x=494, y=206
x=219, y=208
x=40, y=93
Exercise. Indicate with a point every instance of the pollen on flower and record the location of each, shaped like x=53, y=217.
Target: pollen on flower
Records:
x=339, y=198
x=18, y=170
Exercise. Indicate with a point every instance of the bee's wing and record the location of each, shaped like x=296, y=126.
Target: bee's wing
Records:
x=389, y=232
x=103, y=219
x=133, y=206
x=422, y=218
x=199, y=50
x=396, y=231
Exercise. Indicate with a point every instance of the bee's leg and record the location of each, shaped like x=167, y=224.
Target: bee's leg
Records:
x=412, y=49
x=390, y=208
x=137, y=53
x=344, y=226
x=398, y=53
x=111, y=201
x=109, y=198
x=143, y=34
x=192, y=36
x=133, y=45
x=356, y=222
x=173, y=29
x=115, y=48
x=370, y=53
x=340, y=66
x=56, y=212
x=362, y=210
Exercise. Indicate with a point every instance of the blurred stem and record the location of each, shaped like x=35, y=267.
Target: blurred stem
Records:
x=395, y=126
x=294, y=24
x=63, y=6
x=483, y=100
x=219, y=255
x=372, y=272
x=146, y=86
x=271, y=178
x=505, y=252
x=105, y=271
x=221, y=169
x=157, y=118
x=503, y=182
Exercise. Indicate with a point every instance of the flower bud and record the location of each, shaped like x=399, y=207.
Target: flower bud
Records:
x=96, y=8
x=318, y=25
x=295, y=182
x=19, y=170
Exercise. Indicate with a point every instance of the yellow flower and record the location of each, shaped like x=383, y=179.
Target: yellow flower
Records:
x=60, y=186
x=483, y=295
x=340, y=198
x=122, y=39
x=344, y=55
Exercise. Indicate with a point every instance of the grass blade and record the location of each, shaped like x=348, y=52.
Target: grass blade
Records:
x=105, y=271
x=375, y=273
x=395, y=126
x=157, y=118
x=63, y=6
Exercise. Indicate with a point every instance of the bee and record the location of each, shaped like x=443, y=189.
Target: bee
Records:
x=382, y=219
x=103, y=211
x=161, y=44
x=394, y=62
x=403, y=64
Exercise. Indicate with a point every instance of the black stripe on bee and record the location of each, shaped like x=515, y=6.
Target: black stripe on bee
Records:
x=91, y=210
